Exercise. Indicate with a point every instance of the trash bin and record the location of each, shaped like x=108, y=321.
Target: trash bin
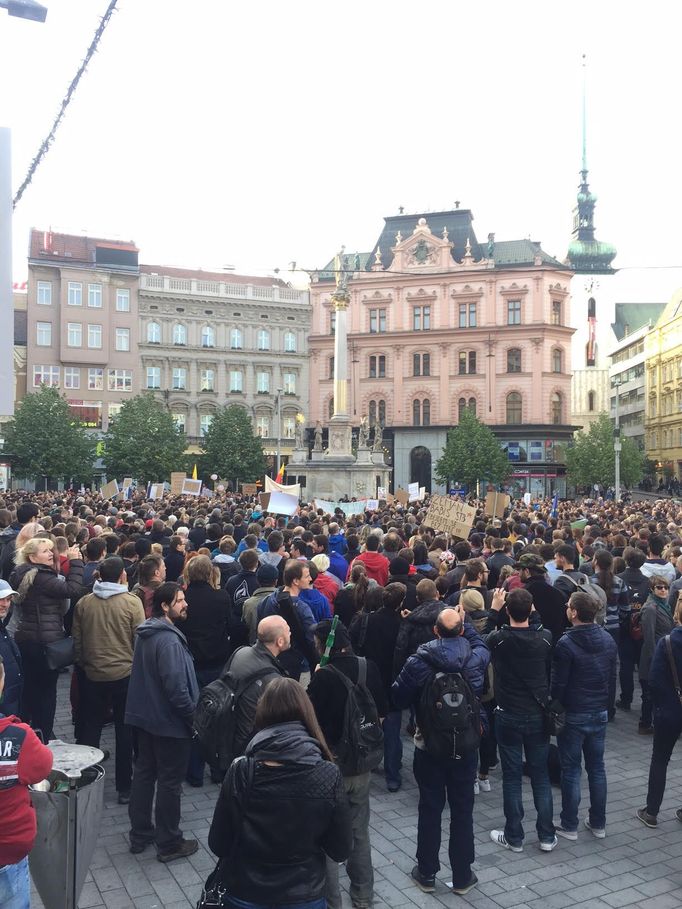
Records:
x=68, y=806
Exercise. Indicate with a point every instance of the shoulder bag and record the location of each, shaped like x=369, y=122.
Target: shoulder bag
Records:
x=552, y=711
x=58, y=654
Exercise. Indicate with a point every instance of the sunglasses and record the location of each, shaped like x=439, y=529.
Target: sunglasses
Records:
x=660, y=587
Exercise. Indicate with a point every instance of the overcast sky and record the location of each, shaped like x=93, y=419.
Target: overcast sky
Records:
x=251, y=134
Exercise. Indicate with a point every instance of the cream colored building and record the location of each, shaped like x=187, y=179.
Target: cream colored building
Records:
x=663, y=349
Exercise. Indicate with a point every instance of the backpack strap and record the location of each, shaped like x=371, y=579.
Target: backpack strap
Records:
x=362, y=671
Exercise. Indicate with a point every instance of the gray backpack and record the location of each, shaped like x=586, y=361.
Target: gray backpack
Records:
x=593, y=591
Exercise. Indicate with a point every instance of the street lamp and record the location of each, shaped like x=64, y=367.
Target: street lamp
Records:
x=25, y=9
x=279, y=429
x=617, y=443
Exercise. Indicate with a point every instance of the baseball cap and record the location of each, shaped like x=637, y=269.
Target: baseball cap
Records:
x=530, y=560
x=266, y=573
x=6, y=590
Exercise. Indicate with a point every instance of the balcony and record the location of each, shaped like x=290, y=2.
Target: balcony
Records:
x=222, y=289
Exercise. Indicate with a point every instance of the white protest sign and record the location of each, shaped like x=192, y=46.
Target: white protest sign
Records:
x=413, y=492
x=451, y=516
x=294, y=489
x=422, y=492
x=278, y=503
x=527, y=498
x=156, y=491
x=372, y=504
x=191, y=487
x=381, y=492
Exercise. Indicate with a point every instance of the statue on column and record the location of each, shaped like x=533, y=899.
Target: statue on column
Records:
x=318, y=437
x=363, y=433
x=378, y=437
x=339, y=272
x=300, y=431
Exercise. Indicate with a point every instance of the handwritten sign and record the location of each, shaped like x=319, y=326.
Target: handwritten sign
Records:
x=451, y=516
x=495, y=504
x=402, y=496
x=191, y=487
x=249, y=489
x=109, y=490
x=177, y=479
x=413, y=492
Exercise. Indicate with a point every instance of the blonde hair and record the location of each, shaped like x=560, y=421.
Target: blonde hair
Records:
x=471, y=600
x=30, y=548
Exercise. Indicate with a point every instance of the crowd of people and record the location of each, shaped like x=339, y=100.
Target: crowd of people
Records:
x=335, y=639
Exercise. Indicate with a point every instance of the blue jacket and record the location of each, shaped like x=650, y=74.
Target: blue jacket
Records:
x=337, y=543
x=163, y=689
x=14, y=676
x=584, y=670
x=338, y=566
x=666, y=703
x=466, y=654
x=318, y=603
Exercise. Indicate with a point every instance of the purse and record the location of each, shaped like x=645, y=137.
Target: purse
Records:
x=214, y=893
x=59, y=654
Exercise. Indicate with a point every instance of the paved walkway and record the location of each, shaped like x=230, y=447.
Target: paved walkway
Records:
x=633, y=866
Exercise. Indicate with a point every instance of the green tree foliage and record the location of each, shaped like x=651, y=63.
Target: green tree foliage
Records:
x=46, y=440
x=592, y=459
x=143, y=442
x=231, y=448
x=472, y=453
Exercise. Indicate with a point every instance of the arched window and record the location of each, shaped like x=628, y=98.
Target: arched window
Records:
x=591, y=308
x=557, y=360
x=426, y=412
x=472, y=405
x=514, y=360
x=179, y=334
x=236, y=339
x=263, y=339
x=420, y=467
x=590, y=401
x=416, y=412
x=330, y=410
x=153, y=333
x=290, y=342
x=653, y=405
x=461, y=407
x=556, y=404
x=207, y=336
x=382, y=412
x=372, y=412
x=514, y=407
x=331, y=367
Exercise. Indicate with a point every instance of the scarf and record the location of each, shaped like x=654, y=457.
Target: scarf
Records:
x=663, y=604
x=284, y=743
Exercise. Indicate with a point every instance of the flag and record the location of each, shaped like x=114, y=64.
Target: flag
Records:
x=555, y=505
x=280, y=474
x=194, y=472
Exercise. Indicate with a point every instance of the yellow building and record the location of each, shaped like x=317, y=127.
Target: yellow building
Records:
x=663, y=423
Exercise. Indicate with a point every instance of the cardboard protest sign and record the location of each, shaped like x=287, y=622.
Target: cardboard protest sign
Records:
x=249, y=489
x=110, y=489
x=127, y=481
x=191, y=487
x=177, y=479
x=495, y=504
x=413, y=492
x=451, y=516
x=278, y=503
x=402, y=496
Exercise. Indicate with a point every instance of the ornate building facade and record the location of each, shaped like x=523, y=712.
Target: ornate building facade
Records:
x=663, y=427
x=438, y=323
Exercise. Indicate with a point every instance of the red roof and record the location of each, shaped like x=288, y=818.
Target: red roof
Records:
x=48, y=245
x=227, y=276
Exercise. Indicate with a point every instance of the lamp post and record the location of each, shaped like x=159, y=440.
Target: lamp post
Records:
x=279, y=429
x=617, y=444
x=25, y=9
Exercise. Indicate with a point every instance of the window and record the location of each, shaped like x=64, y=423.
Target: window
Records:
x=289, y=427
x=377, y=367
x=377, y=321
x=72, y=377
x=467, y=362
x=289, y=382
x=95, y=296
x=290, y=342
x=122, y=300
x=421, y=364
x=332, y=322
x=556, y=312
x=207, y=336
x=44, y=293
x=372, y=412
x=122, y=339
x=120, y=380
x=416, y=412
x=591, y=308
x=179, y=334
x=513, y=312
x=179, y=378
x=75, y=293
x=45, y=375
x=43, y=334
x=421, y=319
x=74, y=334
x=96, y=380
x=514, y=407
x=153, y=333
x=205, y=421
x=514, y=360
x=557, y=359
x=153, y=377
x=331, y=367
x=236, y=380
x=263, y=339
x=472, y=405
x=208, y=380
x=263, y=426
x=463, y=405
x=421, y=412
x=236, y=339
x=426, y=412
x=95, y=336
x=180, y=420
x=556, y=405
x=330, y=408
x=377, y=412
x=590, y=401
x=467, y=315
x=263, y=383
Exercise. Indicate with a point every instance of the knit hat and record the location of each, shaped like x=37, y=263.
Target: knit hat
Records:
x=321, y=561
x=341, y=636
x=399, y=567
x=267, y=574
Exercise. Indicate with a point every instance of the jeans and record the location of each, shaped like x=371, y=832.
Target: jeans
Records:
x=160, y=761
x=95, y=697
x=195, y=768
x=393, y=747
x=39, y=697
x=359, y=864
x=231, y=902
x=666, y=735
x=584, y=734
x=15, y=891
x=646, y=717
x=517, y=734
x=437, y=779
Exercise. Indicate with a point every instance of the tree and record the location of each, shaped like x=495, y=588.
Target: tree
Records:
x=143, y=441
x=46, y=440
x=231, y=448
x=592, y=459
x=472, y=453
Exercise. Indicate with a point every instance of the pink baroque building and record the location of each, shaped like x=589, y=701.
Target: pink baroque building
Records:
x=439, y=322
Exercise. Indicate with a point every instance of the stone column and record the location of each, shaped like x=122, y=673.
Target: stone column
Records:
x=340, y=431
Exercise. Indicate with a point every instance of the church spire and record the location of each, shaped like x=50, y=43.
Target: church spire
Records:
x=585, y=253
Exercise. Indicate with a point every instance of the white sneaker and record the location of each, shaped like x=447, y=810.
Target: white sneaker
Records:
x=566, y=834
x=484, y=785
x=547, y=847
x=477, y=787
x=599, y=832
x=497, y=836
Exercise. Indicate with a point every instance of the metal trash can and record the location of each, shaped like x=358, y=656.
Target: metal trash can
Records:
x=68, y=806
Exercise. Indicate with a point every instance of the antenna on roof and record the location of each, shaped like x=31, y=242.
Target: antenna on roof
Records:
x=401, y=209
x=457, y=203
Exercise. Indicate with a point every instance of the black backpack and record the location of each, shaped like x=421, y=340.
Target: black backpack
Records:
x=361, y=747
x=215, y=719
x=449, y=716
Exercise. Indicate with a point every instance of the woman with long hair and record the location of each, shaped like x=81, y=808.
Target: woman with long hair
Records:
x=351, y=598
x=281, y=811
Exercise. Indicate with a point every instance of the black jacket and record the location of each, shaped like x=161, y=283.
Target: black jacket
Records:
x=495, y=564
x=44, y=600
x=550, y=604
x=277, y=834
x=206, y=627
x=584, y=670
x=245, y=662
x=520, y=658
x=14, y=677
x=638, y=586
x=666, y=703
x=410, y=581
x=380, y=630
x=415, y=630
x=175, y=562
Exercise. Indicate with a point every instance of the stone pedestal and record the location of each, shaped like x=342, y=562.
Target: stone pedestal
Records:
x=364, y=456
x=299, y=456
x=340, y=437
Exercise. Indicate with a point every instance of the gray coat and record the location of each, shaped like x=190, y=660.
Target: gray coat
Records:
x=245, y=662
x=656, y=623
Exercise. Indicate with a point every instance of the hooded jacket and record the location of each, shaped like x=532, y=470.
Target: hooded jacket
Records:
x=14, y=678
x=245, y=662
x=376, y=566
x=284, y=824
x=584, y=669
x=103, y=630
x=163, y=689
x=44, y=599
x=337, y=543
x=415, y=630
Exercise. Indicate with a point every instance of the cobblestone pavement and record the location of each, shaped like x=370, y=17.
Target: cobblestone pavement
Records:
x=633, y=866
